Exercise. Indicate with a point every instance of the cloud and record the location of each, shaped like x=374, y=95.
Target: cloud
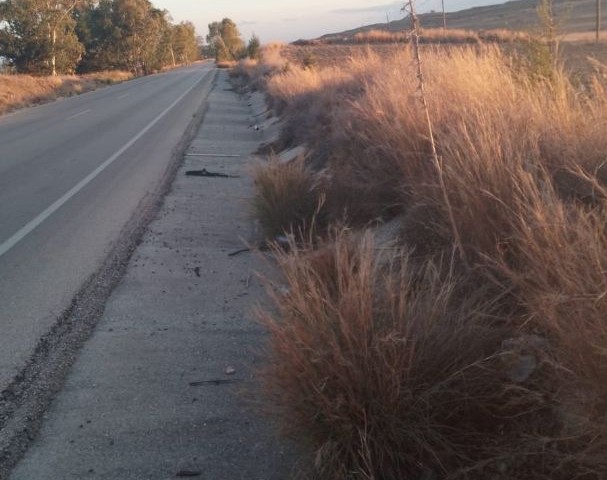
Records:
x=289, y=19
x=372, y=9
x=247, y=22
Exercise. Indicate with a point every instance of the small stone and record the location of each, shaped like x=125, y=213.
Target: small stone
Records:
x=230, y=370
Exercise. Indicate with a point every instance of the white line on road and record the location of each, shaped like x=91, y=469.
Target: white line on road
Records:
x=123, y=96
x=33, y=224
x=78, y=114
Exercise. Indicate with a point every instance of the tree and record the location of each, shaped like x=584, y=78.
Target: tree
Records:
x=225, y=41
x=185, y=43
x=98, y=32
x=38, y=36
x=58, y=36
x=61, y=23
x=125, y=34
x=254, y=48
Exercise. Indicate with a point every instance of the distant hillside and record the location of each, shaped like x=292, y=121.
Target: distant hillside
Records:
x=574, y=15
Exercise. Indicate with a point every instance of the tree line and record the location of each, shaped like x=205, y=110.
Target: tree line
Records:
x=49, y=37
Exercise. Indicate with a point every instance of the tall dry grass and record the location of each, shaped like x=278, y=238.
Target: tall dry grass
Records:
x=18, y=91
x=389, y=373
x=408, y=363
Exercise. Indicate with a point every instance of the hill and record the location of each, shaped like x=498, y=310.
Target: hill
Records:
x=573, y=16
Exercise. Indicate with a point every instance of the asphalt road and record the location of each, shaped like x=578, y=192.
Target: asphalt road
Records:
x=72, y=174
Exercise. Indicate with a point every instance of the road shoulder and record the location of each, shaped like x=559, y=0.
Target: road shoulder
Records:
x=163, y=386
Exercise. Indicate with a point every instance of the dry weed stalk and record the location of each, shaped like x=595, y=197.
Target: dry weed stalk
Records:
x=435, y=157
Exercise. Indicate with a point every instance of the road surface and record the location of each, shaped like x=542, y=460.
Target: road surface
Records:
x=72, y=174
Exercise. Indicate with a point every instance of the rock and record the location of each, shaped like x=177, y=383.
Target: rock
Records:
x=520, y=356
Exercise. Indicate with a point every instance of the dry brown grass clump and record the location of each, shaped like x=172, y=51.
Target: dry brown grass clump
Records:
x=427, y=364
x=257, y=72
x=289, y=197
x=389, y=373
x=18, y=91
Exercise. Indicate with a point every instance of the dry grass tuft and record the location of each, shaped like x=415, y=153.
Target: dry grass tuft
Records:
x=389, y=373
x=289, y=198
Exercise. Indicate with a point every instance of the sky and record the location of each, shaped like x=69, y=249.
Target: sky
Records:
x=289, y=20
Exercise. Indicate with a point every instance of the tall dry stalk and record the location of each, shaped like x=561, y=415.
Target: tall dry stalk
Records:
x=435, y=157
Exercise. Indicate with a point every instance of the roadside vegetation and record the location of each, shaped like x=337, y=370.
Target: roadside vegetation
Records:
x=18, y=91
x=441, y=317
x=51, y=49
x=41, y=37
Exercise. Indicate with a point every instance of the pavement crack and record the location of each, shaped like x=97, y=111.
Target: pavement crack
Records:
x=215, y=381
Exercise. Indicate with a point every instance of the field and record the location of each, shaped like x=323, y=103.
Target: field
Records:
x=579, y=57
x=443, y=306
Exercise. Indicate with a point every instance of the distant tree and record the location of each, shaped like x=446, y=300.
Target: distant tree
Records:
x=39, y=36
x=139, y=29
x=60, y=36
x=185, y=43
x=98, y=32
x=254, y=47
x=224, y=40
x=125, y=34
x=65, y=48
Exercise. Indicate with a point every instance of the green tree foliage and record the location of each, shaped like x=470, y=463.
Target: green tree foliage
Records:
x=124, y=34
x=185, y=43
x=39, y=36
x=254, y=48
x=225, y=41
x=44, y=36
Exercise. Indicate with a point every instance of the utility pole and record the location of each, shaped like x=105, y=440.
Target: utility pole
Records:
x=437, y=160
x=445, y=16
x=598, y=21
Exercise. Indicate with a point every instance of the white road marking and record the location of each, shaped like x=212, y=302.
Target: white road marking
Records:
x=78, y=114
x=123, y=96
x=33, y=224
